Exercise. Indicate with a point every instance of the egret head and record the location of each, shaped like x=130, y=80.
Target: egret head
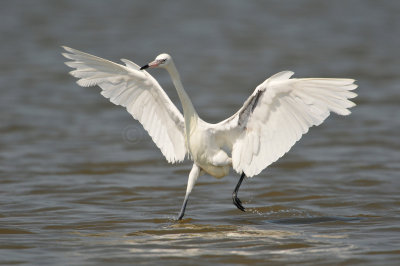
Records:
x=161, y=60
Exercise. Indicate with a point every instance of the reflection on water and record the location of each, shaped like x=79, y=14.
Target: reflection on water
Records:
x=82, y=183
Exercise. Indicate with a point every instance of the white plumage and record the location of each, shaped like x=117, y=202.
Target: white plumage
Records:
x=139, y=93
x=270, y=122
x=285, y=110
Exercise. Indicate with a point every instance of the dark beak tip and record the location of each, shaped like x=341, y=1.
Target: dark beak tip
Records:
x=144, y=67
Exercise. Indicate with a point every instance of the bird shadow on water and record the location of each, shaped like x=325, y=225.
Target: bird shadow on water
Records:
x=275, y=214
x=269, y=217
x=300, y=217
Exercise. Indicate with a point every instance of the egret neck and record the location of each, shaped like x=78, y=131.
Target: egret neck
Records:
x=189, y=113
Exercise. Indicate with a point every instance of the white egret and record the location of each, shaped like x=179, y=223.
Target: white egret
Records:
x=272, y=119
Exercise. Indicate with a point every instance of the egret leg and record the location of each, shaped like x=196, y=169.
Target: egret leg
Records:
x=182, y=212
x=194, y=174
x=236, y=200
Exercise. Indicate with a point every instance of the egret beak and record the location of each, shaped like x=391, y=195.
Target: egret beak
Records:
x=153, y=64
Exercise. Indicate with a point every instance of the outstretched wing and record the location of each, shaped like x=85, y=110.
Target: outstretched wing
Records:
x=277, y=114
x=139, y=92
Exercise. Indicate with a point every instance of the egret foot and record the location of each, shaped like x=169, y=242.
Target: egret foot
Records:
x=236, y=200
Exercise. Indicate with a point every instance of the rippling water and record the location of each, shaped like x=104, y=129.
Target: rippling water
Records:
x=82, y=183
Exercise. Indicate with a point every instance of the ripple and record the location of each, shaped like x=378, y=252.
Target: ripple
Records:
x=312, y=220
x=16, y=246
x=12, y=231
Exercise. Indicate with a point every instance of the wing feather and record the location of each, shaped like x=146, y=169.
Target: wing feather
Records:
x=277, y=114
x=139, y=92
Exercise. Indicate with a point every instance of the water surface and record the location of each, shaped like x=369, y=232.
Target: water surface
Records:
x=82, y=183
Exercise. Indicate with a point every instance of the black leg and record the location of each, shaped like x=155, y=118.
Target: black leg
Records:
x=182, y=212
x=235, y=198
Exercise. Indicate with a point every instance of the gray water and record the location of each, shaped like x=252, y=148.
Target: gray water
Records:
x=82, y=183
